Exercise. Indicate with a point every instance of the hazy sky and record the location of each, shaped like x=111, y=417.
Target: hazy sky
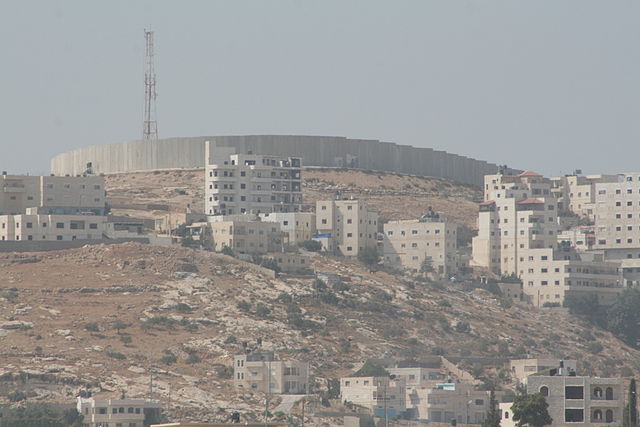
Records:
x=543, y=85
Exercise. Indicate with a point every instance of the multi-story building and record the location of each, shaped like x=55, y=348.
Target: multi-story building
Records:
x=384, y=396
x=291, y=262
x=582, y=238
x=250, y=183
x=445, y=402
x=261, y=371
x=576, y=193
x=407, y=244
x=38, y=226
x=418, y=376
x=299, y=226
x=521, y=369
x=115, y=412
x=518, y=235
x=57, y=194
x=518, y=214
x=247, y=235
x=578, y=400
x=346, y=226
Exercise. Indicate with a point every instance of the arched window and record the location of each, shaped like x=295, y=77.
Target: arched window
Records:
x=609, y=416
x=506, y=415
x=544, y=391
x=609, y=393
x=597, y=393
x=597, y=415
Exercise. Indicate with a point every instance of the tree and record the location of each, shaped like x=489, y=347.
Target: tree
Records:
x=369, y=256
x=630, y=415
x=371, y=369
x=227, y=251
x=427, y=265
x=531, y=409
x=492, y=419
x=585, y=305
x=623, y=318
x=310, y=245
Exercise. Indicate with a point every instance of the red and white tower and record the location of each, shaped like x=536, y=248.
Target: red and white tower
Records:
x=149, y=123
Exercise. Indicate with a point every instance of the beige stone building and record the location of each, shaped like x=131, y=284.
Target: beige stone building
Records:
x=445, y=402
x=346, y=226
x=382, y=395
x=291, y=262
x=45, y=227
x=247, y=235
x=406, y=244
x=522, y=369
x=578, y=400
x=577, y=193
x=250, y=183
x=58, y=194
x=518, y=214
x=115, y=412
x=261, y=371
x=298, y=226
x=518, y=235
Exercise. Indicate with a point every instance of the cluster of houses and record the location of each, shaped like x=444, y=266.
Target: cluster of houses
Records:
x=434, y=390
x=571, y=235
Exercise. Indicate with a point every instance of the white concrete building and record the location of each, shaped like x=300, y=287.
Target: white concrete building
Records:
x=407, y=244
x=250, y=183
x=522, y=369
x=114, y=412
x=345, y=227
x=247, y=235
x=445, y=402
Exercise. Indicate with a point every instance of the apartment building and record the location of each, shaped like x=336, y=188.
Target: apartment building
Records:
x=58, y=194
x=298, y=226
x=261, y=371
x=445, y=402
x=406, y=244
x=44, y=227
x=582, y=238
x=521, y=369
x=291, y=262
x=115, y=412
x=580, y=400
x=250, y=183
x=345, y=226
x=518, y=214
x=576, y=193
x=384, y=396
x=247, y=235
x=550, y=275
x=417, y=376
x=518, y=235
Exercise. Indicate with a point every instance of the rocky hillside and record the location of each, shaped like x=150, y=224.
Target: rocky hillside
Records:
x=395, y=196
x=112, y=316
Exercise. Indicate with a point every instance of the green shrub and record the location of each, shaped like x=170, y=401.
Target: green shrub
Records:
x=116, y=355
x=126, y=339
x=193, y=358
x=17, y=396
x=262, y=310
x=183, y=307
x=310, y=245
x=243, y=305
x=92, y=327
x=169, y=358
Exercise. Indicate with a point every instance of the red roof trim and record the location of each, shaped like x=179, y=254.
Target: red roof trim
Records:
x=531, y=202
x=530, y=173
x=487, y=203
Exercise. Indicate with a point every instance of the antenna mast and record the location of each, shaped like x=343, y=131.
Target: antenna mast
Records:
x=149, y=123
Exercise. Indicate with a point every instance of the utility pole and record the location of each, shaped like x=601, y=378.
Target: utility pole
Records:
x=149, y=123
x=266, y=406
x=384, y=398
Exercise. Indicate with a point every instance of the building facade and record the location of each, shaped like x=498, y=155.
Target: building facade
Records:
x=115, y=412
x=36, y=226
x=247, y=235
x=382, y=395
x=445, y=402
x=261, y=371
x=57, y=194
x=298, y=226
x=578, y=400
x=407, y=244
x=251, y=183
x=346, y=226
x=521, y=369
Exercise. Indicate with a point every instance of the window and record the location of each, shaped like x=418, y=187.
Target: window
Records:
x=574, y=392
x=59, y=224
x=574, y=415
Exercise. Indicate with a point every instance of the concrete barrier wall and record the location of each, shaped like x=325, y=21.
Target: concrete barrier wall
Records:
x=188, y=153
